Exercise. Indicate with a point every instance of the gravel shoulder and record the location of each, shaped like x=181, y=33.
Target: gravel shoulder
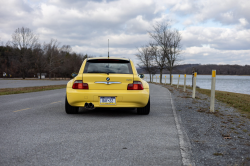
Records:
x=220, y=138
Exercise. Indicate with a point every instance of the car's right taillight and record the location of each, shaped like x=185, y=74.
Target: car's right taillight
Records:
x=78, y=84
x=137, y=85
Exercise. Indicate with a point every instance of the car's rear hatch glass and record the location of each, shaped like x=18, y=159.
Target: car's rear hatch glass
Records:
x=113, y=74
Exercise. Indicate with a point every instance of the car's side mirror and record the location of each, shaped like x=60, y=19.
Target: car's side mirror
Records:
x=74, y=75
x=141, y=75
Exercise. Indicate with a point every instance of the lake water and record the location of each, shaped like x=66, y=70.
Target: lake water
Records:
x=237, y=84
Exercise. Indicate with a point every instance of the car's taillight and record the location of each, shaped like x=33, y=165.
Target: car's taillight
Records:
x=137, y=85
x=79, y=85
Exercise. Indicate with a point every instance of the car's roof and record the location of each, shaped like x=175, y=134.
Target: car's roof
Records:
x=108, y=58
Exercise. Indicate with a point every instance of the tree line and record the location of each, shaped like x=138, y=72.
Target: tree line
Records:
x=24, y=56
x=220, y=69
x=163, y=52
x=207, y=69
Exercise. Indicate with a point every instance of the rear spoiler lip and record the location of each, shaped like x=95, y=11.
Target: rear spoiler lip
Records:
x=126, y=60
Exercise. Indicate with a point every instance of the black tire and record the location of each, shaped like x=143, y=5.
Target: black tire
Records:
x=144, y=110
x=70, y=109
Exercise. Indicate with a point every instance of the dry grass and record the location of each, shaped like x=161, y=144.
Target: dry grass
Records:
x=9, y=91
x=239, y=101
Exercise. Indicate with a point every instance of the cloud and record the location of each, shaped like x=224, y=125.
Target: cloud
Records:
x=226, y=12
x=219, y=38
x=185, y=7
x=243, y=22
x=209, y=28
x=14, y=14
x=214, y=56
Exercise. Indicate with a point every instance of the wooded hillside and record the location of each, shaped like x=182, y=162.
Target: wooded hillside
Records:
x=207, y=69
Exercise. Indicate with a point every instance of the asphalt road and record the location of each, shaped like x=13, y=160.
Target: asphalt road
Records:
x=29, y=83
x=35, y=130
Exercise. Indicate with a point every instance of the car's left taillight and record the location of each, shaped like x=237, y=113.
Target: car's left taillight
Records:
x=137, y=85
x=78, y=84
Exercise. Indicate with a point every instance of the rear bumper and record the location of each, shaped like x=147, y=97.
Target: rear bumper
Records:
x=124, y=98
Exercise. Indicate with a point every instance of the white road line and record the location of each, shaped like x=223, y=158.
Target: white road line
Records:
x=185, y=146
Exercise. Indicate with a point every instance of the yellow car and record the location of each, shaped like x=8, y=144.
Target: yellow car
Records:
x=109, y=83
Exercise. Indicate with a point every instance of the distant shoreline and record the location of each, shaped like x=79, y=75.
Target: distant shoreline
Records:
x=204, y=74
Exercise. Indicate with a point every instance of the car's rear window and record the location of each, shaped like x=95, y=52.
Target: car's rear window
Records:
x=108, y=66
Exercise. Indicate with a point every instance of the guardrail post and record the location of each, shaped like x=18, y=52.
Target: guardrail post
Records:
x=184, y=82
x=171, y=81
x=212, y=91
x=165, y=79
x=178, y=81
x=194, y=85
x=156, y=79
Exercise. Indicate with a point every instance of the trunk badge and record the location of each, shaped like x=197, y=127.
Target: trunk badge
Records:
x=107, y=78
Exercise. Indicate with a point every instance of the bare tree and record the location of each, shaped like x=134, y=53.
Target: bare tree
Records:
x=159, y=58
x=146, y=58
x=52, y=56
x=175, y=50
x=5, y=59
x=23, y=41
x=40, y=62
x=167, y=46
x=65, y=62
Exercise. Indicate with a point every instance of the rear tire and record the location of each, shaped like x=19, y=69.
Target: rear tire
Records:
x=70, y=109
x=144, y=110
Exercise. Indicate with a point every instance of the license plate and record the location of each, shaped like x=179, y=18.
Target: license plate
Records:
x=107, y=100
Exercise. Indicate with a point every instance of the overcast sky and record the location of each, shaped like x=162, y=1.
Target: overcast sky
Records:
x=213, y=31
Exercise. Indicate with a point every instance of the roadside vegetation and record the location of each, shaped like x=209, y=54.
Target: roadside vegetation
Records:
x=9, y=91
x=163, y=52
x=24, y=56
x=239, y=101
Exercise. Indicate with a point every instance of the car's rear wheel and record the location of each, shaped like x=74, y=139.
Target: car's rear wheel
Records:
x=144, y=110
x=70, y=109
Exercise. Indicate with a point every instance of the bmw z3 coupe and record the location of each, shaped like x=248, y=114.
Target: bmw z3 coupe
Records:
x=109, y=83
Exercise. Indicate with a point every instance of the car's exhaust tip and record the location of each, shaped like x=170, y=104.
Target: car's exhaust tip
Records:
x=86, y=105
x=89, y=106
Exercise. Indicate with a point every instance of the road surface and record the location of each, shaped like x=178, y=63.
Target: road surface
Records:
x=35, y=130
x=29, y=83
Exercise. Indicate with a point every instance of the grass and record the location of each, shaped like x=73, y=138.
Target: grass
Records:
x=239, y=101
x=245, y=131
x=218, y=154
x=9, y=91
